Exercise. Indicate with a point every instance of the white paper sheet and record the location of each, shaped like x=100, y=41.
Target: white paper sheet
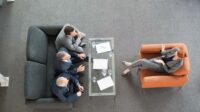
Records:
x=105, y=83
x=100, y=63
x=4, y=81
x=103, y=47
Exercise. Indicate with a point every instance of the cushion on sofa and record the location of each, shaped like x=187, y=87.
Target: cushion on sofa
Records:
x=36, y=45
x=35, y=80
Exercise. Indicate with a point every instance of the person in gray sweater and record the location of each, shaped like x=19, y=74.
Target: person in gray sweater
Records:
x=168, y=62
x=70, y=38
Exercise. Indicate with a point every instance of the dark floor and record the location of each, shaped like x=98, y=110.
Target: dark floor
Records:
x=131, y=22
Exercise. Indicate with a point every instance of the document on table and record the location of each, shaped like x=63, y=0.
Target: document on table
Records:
x=100, y=63
x=105, y=83
x=103, y=47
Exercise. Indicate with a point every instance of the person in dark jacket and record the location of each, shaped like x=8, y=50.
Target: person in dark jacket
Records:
x=67, y=88
x=65, y=62
x=168, y=62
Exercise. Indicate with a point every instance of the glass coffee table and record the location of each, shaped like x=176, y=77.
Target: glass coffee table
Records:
x=95, y=75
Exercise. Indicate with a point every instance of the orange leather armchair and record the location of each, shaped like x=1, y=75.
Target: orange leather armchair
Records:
x=150, y=79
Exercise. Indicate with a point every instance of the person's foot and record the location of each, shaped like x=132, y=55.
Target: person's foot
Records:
x=125, y=72
x=82, y=44
x=127, y=63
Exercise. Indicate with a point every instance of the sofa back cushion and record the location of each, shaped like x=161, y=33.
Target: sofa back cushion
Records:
x=51, y=31
x=35, y=80
x=50, y=66
x=36, y=45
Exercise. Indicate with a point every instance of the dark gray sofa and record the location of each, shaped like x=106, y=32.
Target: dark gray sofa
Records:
x=39, y=70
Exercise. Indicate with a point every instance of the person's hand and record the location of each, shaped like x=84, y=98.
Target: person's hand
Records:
x=81, y=34
x=81, y=88
x=80, y=68
x=82, y=56
x=79, y=93
x=163, y=48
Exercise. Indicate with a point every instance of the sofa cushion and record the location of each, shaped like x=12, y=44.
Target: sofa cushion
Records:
x=35, y=80
x=36, y=45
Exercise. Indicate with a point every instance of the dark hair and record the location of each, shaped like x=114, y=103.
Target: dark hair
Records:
x=68, y=30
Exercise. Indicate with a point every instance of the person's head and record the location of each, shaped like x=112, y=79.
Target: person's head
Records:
x=62, y=82
x=61, y=55
x=69, y=30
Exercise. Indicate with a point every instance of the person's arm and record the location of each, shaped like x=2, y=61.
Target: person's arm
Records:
x=169, y=51
x=61, y=95
x=69, y=99
x=75, y=80
x=72, y=46
x=168, y=70
x=78, y=40
x=73, y=54
x=174, y=68
x=72, y=71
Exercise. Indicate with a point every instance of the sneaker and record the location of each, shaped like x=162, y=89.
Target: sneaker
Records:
x=126, y=72
x=126, y=63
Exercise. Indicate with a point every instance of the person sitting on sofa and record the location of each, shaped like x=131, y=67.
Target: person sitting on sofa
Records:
x=71, y=38
x=168, y=62
x=67, y=88
x=65, y=62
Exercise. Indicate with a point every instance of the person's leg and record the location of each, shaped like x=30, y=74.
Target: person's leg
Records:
x=142, y=64
x=129, y=65
x=133, y=64
x=148, y=64
x=81, y=43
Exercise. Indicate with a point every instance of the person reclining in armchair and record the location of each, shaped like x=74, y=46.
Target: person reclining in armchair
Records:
x=168, y=62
